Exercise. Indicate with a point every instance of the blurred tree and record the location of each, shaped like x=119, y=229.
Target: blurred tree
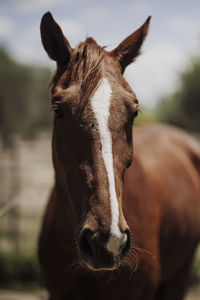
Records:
x=182, y=108
x=24, y=106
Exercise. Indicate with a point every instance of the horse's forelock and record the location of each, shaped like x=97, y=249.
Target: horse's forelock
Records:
x=85, y=69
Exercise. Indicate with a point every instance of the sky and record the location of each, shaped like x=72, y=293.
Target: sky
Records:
x=173, y=38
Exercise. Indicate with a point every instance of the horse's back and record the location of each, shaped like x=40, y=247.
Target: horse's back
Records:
x=155, y=141
x=169, y=157
x=166, y=171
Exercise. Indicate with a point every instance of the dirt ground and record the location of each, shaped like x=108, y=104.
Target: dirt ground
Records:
x=16, y=295
x=42, y=295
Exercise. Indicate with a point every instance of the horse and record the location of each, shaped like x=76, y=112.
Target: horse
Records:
x=120, y=224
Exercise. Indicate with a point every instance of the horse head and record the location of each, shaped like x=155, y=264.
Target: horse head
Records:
x=94, y=110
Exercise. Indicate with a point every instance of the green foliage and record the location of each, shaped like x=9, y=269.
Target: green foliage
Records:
x=24, y=105
x=182, y=108
x=145, y=118
x=195, y=273
x=19, y=271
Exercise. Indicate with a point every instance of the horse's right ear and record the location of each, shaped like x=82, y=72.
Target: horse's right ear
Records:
x=54, y=42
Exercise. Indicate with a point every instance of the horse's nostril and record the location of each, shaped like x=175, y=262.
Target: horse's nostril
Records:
x=127, y=243
x=85, y=243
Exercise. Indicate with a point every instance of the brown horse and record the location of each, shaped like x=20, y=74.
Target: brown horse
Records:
x=114, y=229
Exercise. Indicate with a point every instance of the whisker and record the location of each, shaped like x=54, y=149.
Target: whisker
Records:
x=131, y=273
x=145, y=251
x=111, y=277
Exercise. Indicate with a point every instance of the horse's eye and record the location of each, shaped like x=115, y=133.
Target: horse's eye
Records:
x=59, y=113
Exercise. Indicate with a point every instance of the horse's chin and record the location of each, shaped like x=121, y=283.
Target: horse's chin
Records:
x=90, y=267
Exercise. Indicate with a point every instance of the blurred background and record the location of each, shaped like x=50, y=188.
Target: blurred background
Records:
x=165, y=79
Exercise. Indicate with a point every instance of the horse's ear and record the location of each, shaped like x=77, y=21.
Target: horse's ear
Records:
x=54, y=42
x=130, y=47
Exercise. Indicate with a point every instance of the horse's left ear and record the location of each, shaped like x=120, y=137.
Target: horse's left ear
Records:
x=130, y=47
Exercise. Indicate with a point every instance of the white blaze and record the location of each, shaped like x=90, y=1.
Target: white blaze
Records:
x=100, y=103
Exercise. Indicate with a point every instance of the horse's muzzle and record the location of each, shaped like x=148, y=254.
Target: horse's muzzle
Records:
x=95, y=253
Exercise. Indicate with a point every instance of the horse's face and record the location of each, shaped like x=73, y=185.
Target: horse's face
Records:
x=94, y=112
